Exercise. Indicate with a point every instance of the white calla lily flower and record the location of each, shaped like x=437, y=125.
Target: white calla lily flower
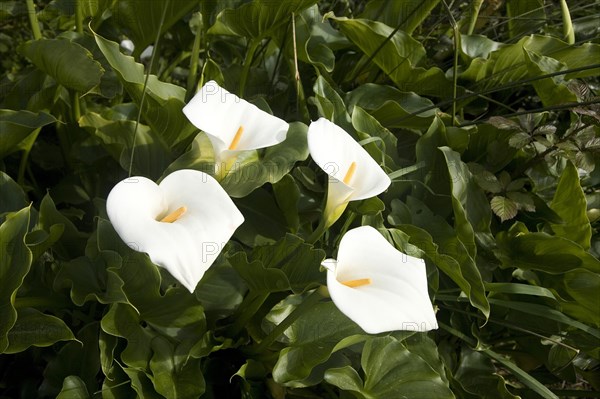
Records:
x=354, y=174
x=182, y=223
x=232, y=124
x=378, y=287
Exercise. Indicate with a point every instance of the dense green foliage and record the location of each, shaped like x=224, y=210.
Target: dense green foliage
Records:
x=484, y=114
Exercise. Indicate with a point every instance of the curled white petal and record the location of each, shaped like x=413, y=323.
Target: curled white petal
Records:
x=221, y=114
x=188, y=246
x=396, y=297
x=334, y=150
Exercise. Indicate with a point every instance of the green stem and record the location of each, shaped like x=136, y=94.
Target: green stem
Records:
x=76, y=106
x=254, y=43
x=318, y=232
x=35, y=26
x=347, y=223
x=246, y=311
x=195, y=57
x=568, y=31
x=455, y=67
x=475, y=7
x=78, y=17
x=25, y=156
x=305, y=306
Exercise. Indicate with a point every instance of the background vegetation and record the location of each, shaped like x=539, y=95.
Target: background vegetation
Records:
x=484, y=113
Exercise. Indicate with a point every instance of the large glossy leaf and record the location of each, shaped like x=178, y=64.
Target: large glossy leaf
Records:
x=150, y=154
x=92, y=279
x=258, y=18
x=18, y=129
x=312, y=339
x=525, y=16
x=383, y=149
x=34, y=328
x=471, y=208
x=404, y=15
x=476, y=374
x=508, y=63
x=287, y=195
x=316, y=39
x=72, y=241
x=12, y=197
x=57, y=56
x=544, y=252
x=397, y=56
x=391, y=371
x=142, y=19
x=73, y=388
x=298, y=260
x=392, y=107
x=570, y=204
x=15, y=261
x=76, y=359
x=163, y=102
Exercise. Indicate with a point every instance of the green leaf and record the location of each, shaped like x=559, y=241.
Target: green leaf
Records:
x=471, y=211
x=522, y=375
x=316, y=39
x=79, y=358
x=519, y=140
x=73, y=388
x=18, y=129
x=508, y=63
x=397, y=55
x=544, y=252
x=298, y=260
x=553, y=90
x=312, y=339
x=570, y=204
x=142, y=19
x=519, y=289
x=15, y=261
x=477, y=46
x=524, y=16
x=287, y=195
x=56, y=57
x=330, y=104
x=258, y=18
x=171, y=377
x=392, y=107
x=392, y=371
x=503, y=207
x=72, y=241
x=12, y=197
x=34, y=328
x=92, y=279
x=406, y=16
x=258, y=278
x=583, y=286
x=384, y=149
x=264, y=223
x=524, y=201
x=253, y=171
x=163, y=102
x=477, y=375
x=150, y=154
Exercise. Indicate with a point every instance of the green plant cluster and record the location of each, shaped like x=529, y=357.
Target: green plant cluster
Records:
x=485, y=115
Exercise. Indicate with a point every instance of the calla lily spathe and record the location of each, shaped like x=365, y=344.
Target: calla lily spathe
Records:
x=354, y=175
x=378, y=287
x=232, y=124
x=182, y=223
